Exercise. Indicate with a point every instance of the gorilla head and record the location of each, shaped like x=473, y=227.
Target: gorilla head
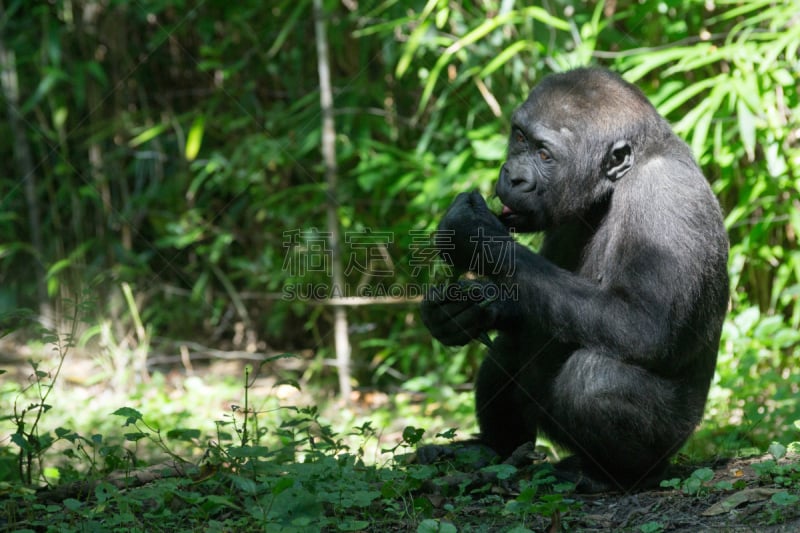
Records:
x=574, y=137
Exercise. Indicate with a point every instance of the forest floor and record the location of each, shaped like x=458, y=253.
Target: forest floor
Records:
x=749, y=507
x=747, y=494
x=757, y=493
x=671, y=510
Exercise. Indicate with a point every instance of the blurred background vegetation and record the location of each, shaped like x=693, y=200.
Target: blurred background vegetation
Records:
x=156, y=153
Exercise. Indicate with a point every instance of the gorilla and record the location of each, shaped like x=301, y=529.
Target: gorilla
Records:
x=607, y=338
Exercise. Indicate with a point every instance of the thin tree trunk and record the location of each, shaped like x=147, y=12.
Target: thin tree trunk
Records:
x=24, y=162
x=342, y=340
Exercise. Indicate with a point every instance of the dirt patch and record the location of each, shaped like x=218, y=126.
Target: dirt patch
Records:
x=750, y=494
x=747, y=506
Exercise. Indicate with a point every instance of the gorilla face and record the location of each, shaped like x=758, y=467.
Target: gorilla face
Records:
x=530, y=179
x=558, y=166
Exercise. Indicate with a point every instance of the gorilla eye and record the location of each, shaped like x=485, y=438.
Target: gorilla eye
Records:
x=543, y=155
x=519, y=136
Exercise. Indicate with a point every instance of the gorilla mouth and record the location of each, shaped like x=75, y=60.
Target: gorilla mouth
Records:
x=507, y=216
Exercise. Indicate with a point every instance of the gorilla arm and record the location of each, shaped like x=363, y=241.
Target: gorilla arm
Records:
x=625, y=317
x=624, y=311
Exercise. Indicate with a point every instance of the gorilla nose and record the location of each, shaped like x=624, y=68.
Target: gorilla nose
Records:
x=516, y=180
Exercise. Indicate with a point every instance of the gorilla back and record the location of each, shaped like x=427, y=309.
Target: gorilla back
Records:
x=610, y=343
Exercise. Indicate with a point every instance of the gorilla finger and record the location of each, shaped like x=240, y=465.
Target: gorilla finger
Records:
x=471, y=321
x=445, y=316
x=453, y=335
x=476, y=200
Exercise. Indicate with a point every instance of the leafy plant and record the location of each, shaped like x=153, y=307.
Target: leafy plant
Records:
x=697, y=484
x=28, y=436
x=542, y=495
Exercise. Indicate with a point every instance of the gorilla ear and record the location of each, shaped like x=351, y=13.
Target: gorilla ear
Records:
x=619, y=160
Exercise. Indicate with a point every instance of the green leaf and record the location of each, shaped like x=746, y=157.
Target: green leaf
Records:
x=72, y=504
x=784, y=499
x=695, y=59
x=502, y=471
x=481, y=31
x=703, y=474
x=412, y=435
x=744, y=9
x=353, y=525
x=57, y=267
x=132, y=415
x=543, y=16
x=777, y=450
x=19, y=440
x=288, y=27
x=652, y=527
x=213, y=502
x=282, y=484
x=441, y=16
x=701, y=121
x=503, y=57
x=692, y=486
x=147, y=135
x=97, y=72
x=134, y=437
x=244, y=484
x=430, y=525
x=646, y=63
x=62, y=432
x=46, y=85
x=747, y=128
x=248, y=451
x=363, y=498
x=491, y=149
x=448, y=433
x=195, y=138
x=414, y=41
x=748, y=90
x=782, y=77
x=681, y=97
x=187, y=435
x=105, y=491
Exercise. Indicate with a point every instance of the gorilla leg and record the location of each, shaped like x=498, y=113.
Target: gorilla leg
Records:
x=505, y=417
x=622, y=422
x=507, y=412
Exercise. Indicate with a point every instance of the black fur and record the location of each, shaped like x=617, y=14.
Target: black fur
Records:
x=608, y=337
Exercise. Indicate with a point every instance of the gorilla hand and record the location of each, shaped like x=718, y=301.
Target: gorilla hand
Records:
x=457, y=313
x=470, y=237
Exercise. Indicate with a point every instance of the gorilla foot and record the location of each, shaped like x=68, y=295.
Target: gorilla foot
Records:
x=570, y=470
x=573, y=470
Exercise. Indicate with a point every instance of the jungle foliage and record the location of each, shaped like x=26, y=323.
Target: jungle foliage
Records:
x=163, y=157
